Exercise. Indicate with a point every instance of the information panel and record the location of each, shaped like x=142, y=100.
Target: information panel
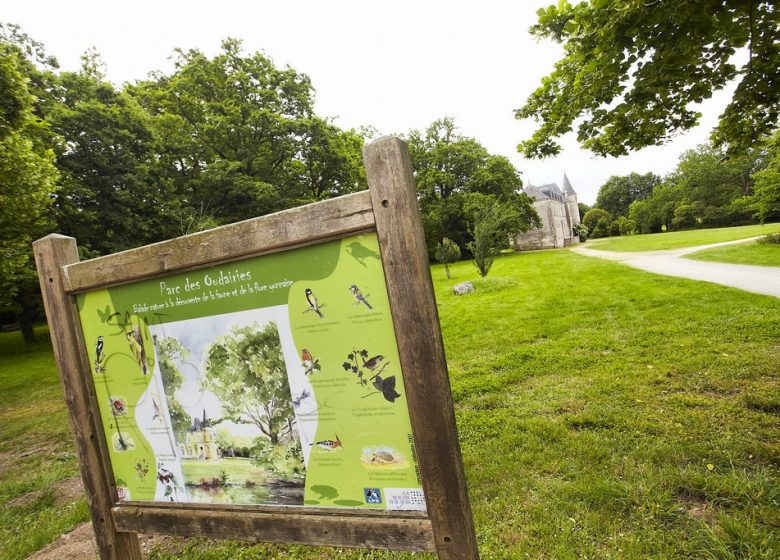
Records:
x=270, y=380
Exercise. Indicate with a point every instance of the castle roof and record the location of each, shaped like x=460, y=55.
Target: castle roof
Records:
x=550, y=191
x=567, y=188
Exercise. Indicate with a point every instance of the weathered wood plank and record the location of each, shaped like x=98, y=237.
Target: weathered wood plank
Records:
x=421, y=350
x=51, y=254
x=305, y=225
x=274, y=510
x=292, y=526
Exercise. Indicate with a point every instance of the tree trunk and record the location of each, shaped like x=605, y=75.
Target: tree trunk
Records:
x=26, y=326
x=447, y=270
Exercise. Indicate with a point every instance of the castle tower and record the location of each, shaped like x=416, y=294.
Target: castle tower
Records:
x=571, y=201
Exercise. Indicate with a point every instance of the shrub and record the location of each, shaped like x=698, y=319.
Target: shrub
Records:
x=771, y=239
x=447, y=252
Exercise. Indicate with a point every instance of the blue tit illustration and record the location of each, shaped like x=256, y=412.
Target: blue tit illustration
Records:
x=358, y=295
x=314, y=305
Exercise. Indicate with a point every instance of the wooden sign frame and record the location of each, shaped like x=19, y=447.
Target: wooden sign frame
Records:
x=389, y=208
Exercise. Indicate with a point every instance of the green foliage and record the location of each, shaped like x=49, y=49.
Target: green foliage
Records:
x=631, y=72
x=592, y=218
x=241, y=138
x=449, y=167
x=171, y=355
x=246, y=370
x=771, y=239
x=708, y=188
x=617, y=194
x=582, y=231
x=112, y=196
x=447, y=252
x=493, y=224
x=766, y=202
x=28, y=180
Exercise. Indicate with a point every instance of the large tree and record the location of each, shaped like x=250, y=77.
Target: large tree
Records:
x=632, y=71
x=246, y=370
x=448, y=168
x=113, y=196
x=28, y=179
x=617, y=194
x=240, y=136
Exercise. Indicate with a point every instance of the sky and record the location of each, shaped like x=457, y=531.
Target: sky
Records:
x=396, y=66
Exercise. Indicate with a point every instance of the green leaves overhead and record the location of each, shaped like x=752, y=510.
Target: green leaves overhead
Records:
x=631, y=72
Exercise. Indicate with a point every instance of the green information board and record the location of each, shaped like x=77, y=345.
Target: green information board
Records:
x=270, y=380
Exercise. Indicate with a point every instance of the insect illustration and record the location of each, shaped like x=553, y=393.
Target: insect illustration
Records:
x=99, y=357
x=329, y=444
x=385, y=386
x=358, y=295
x=310, y=364
x=314, y=305
x=300, y=398
x=141, y=469
x=118, y=406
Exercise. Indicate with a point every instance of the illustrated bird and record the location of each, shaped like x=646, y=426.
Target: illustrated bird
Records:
x=329, y=443
x=358, y=295
x=309, y=363
x=372, y=363
x=99, y=355
x=137, y=348
x=311, y=299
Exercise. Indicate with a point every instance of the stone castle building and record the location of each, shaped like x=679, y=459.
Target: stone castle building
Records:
x=200, y=441
x=559, y=213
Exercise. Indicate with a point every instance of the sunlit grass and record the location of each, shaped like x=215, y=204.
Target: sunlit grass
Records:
x=603, y=413
x=680, y=239
x=752, y=252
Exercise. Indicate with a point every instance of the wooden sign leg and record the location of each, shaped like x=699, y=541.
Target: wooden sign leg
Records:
x=416, y=322
x=51, y=254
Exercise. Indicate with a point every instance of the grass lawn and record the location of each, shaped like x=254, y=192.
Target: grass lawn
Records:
x=752, y=252
x=37, y=452
x=604, y=413
x=680, y=239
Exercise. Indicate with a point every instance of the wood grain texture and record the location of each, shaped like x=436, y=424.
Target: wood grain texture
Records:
x=51, y=254
x=291, y=526
x=297, y=227
x=421, y=350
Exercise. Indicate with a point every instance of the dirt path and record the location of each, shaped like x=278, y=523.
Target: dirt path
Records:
x=757, y=279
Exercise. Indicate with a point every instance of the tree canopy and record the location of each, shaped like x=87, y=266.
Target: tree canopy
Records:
x=450, y=168
x=631, y=72
x=617, y=194
x=246, y=370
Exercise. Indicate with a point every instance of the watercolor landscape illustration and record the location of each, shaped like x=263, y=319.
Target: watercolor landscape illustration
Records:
x=228, y=395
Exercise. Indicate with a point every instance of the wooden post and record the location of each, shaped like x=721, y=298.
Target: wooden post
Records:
x=412, y=303
x=51, y=254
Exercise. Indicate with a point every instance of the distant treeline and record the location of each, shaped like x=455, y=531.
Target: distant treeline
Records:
x=707, y=189
x=215, y=141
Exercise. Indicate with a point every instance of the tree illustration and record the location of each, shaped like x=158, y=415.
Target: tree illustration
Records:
x=171, y=353
x=245, y=369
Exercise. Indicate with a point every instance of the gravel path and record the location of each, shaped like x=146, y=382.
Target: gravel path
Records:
x=758, y=279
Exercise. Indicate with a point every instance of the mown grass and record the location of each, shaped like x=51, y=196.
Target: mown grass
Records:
x=751, y=252
x=36, y=449
x=680, y=239
x=603, y=413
